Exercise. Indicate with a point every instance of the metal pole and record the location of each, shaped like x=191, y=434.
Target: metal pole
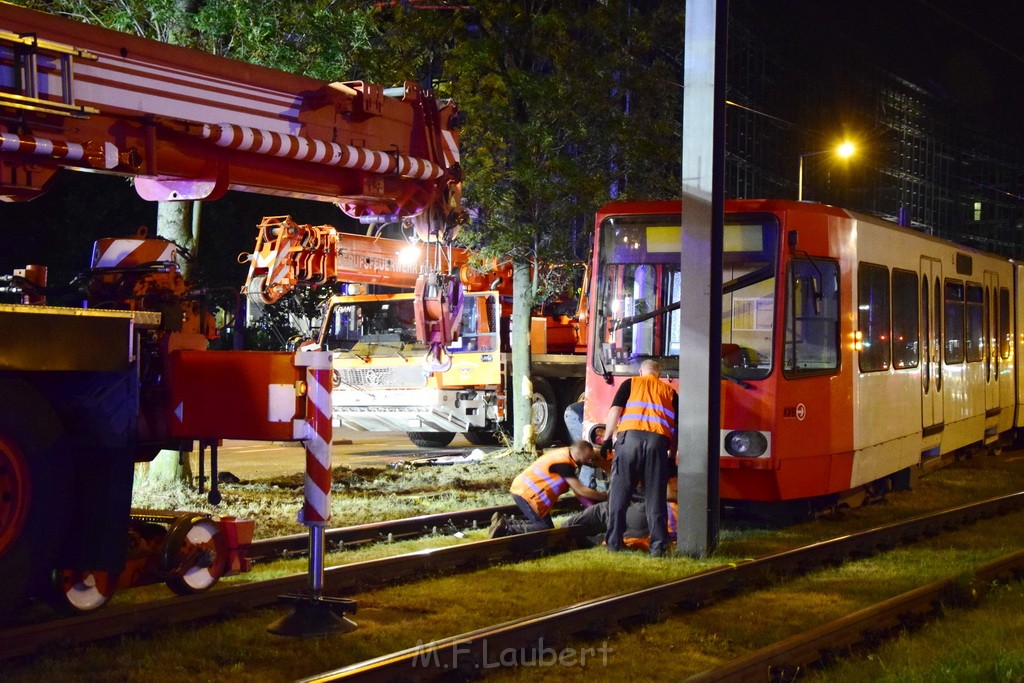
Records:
x=316, y=560
x=316, y=510
x=800, y=181
x=314, y=614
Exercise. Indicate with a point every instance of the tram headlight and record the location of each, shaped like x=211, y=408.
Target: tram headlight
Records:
x=746, y=444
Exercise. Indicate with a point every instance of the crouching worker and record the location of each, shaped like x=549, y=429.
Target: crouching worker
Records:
x=536, y=489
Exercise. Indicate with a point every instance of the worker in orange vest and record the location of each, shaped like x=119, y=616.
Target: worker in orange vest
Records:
x=642, y=422
x=536, y=488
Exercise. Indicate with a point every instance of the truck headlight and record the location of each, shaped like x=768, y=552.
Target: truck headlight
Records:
x=746, y=444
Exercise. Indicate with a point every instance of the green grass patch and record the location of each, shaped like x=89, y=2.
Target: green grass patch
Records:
x=402, y=616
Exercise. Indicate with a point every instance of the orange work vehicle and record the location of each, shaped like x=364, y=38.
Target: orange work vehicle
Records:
x=85, y=393
x=421, y=336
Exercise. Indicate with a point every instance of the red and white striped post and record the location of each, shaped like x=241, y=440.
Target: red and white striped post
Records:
x=316, y=434
x=315, y=615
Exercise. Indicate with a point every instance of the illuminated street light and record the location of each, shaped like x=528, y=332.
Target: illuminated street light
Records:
x=843, y=151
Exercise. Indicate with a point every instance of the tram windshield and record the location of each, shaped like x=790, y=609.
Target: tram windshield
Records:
x=639, y=289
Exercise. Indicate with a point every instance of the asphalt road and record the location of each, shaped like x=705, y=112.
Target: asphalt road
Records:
x=250, y=460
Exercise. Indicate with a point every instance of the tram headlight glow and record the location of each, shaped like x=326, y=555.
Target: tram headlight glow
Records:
x=746, y=444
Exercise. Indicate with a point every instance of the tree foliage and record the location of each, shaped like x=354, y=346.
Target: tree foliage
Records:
x=566, y=105
x=311, y=37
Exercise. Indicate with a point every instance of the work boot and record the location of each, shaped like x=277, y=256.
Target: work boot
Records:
x=499, y=526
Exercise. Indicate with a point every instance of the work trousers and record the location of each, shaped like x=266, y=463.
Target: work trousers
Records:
x=595, y=520
x=533, y=521
x=639, y=457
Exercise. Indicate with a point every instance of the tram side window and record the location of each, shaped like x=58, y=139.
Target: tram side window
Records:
x=954, y=322
x=812, y=318
x=873, y=317
x=1005, y=333
x=905, y=321
x=975, y=339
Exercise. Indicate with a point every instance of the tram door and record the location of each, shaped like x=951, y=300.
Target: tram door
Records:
x=991, y=342
x=931, y=341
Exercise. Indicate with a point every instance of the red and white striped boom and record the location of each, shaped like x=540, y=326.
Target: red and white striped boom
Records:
x=189, y=125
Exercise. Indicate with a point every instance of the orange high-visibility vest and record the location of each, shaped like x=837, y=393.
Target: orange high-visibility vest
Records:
x=649, y=408
x=538, y=485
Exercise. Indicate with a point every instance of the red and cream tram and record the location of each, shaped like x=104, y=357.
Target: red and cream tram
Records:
x=854, y=351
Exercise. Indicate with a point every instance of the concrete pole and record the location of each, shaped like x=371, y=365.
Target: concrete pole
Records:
x=703, y=172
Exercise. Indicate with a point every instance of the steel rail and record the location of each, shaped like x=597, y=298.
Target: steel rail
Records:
x=788, y=659
x=471, y=654
x=296, y=544
x=229, y=599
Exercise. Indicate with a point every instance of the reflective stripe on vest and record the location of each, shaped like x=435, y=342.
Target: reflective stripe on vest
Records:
x=649, y=408
x=538, y=486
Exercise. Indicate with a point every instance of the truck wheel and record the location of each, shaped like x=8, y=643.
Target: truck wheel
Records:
x=33, y=495
x=544, y=414
x=570, y=392
x=431, y=439
x=481, y=437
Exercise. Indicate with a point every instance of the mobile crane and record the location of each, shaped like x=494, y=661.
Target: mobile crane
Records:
x=431, y=360
x=86, y=393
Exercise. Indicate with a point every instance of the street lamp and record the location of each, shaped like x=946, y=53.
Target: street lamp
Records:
x=843, y=151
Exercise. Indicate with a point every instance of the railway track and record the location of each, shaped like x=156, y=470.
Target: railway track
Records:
x=470, y=654
x=391, y=530
x=593, y=617
x=410, y=527
x=345, y=579
x=788, y=659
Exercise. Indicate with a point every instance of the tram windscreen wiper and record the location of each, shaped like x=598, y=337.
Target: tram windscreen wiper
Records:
x=753, y=277
x=639, y=318
x=737, y=380
x=746, y=280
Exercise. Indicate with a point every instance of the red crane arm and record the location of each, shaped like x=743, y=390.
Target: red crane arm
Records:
x=190, y=125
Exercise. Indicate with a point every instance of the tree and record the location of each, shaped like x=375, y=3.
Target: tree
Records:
x=564, y=102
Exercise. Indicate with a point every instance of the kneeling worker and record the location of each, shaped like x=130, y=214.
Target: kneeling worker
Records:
x=536, y=489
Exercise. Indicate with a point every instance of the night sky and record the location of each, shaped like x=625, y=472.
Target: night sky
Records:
x=969, y=52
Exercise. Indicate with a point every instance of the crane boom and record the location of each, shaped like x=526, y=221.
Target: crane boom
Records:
x=288, y=255
x=188, y=125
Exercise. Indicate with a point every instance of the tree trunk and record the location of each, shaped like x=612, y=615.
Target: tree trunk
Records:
x=173, y=221
x=521, y=387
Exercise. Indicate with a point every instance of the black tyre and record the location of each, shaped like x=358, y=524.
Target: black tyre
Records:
x=481, y=437
x=544, y=415
x=569, y=391
x=431, y=439
x=33, y=492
